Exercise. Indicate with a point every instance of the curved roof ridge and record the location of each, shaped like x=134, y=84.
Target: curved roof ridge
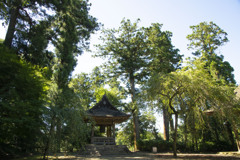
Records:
x=105, y=108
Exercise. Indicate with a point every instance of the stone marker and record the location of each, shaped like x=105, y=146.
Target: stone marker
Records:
x=154, y=149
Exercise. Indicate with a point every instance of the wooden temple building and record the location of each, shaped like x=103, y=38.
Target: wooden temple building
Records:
x=106, y=116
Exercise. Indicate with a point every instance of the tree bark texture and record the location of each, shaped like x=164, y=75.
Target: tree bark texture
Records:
x=58, y=135
x=171, y=123
x=11, y=27
x=175, y=136
x=165, y=123
x=46, y=148
x=230, y=133
x=235, y=130
x=185, y=131
x=136, y=132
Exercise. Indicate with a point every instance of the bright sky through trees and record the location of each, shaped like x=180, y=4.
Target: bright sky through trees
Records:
x=176, y=16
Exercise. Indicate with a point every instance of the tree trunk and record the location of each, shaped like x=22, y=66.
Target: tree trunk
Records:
x=216, y=133
x=171, y=123
x=165, y=123
x=235, y=130
x=136, y=132
x=175, y=136
x=11, y=27
x=196, y=142
x=185, y=131
x=192, y=145
x=58, y=135
x=46, y=149
x=230, y=134
x=155, y=134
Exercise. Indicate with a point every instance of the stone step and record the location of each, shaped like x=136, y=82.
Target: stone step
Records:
x=98, y=150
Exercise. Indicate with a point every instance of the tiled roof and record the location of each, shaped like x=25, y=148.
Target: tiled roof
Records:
x=104, y=113
x=105, y=109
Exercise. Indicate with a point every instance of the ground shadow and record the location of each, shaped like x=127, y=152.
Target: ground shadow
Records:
x=155, y=156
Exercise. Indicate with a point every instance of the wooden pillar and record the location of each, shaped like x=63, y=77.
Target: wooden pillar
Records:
x=109, y=130
x=113, y=130
x=92, y=135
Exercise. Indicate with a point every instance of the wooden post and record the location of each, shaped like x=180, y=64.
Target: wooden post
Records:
x=109, y=131
x=114, y=133
x=113, y=129
x=92, y=135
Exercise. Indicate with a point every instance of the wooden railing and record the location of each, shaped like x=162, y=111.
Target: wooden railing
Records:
x=103, y=140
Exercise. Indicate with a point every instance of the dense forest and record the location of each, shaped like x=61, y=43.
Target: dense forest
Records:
x=42, y=105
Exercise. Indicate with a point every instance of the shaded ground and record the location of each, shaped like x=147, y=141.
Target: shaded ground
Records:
x=155, y=156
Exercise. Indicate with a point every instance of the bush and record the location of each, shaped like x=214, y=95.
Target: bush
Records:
x=162, y=145
x=21, y=104
x=214, y=146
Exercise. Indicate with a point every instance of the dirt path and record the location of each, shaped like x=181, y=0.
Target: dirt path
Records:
x=156, y=156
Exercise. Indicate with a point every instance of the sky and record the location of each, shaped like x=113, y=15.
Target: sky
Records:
x=176, y=16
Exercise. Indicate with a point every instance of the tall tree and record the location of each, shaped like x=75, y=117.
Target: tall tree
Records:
x=164, y=59
x=31, y=22
x=235, y=119
x=65, y=26
x=191, y=91
x=134, y=54
x=206, y=39
x=28, y=22
x=73, y=25
x=126, y=50
x=170, y=87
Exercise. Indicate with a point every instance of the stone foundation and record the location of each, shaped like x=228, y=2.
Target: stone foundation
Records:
x=99, y=150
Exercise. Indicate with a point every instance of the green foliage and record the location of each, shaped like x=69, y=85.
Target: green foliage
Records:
x=90, y=88
x=125, y=49
x=31, y=120
x=137, y=50
x=33, y=28
x=205, y=40
x=147, y=123
x=125, y=135
x=146, y=145
x=21, y=104
x=190, y=92
x=215, y=146
x=49, y=22
x=113, y=94
x=98, y=78
x=134, y=53
x=162, y=145
x=71, y=27
x=75, y=131
x=82, y=87
x=163, y=56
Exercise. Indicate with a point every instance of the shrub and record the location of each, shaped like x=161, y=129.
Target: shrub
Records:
x=162, y=145
x=214, y=146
